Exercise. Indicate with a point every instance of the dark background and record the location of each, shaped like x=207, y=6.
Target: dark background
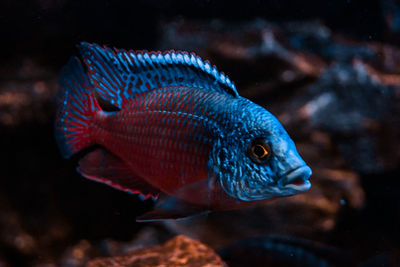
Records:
x=46, y=207
x=48, y=28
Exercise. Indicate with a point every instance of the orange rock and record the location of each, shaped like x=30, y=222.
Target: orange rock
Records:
x=179, y=251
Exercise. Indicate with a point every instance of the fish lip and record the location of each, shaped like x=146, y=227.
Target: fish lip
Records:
x=303, y=172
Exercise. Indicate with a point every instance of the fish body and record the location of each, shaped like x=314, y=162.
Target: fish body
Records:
x=179, y=129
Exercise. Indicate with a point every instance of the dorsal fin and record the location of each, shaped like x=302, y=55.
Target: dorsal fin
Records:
x=118, y=74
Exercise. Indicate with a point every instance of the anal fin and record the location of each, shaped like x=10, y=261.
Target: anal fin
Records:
x=104, y=167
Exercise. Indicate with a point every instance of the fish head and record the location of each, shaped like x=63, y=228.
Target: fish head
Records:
x=256, y=159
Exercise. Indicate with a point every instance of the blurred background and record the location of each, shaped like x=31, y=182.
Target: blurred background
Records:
x=329, y=71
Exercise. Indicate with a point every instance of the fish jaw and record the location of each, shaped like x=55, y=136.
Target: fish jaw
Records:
x=293, y=182
x=296, y=181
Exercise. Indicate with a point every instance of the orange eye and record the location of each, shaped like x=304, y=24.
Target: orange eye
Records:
x=259, y=150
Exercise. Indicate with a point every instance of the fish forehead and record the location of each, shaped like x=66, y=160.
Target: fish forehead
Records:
x=247, y=117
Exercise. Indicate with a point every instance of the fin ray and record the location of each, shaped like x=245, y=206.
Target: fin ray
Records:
x=104, y=167
x=75, y=106
x=119, y=74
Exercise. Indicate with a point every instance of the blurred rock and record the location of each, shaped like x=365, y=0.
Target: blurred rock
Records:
x=283, y=251
x=3, y=263
x=317, y=39
x=146, y=237
x=27, y=92
x=13, y=235
x=83, y=251
x=388, y=61
x=360, y=111
x=391, y=14
x=25, y=239
x=344, y=97
x=78, y=255
x=249, y=52
x=180, y=251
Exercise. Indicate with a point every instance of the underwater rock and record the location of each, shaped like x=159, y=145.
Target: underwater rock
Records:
x=79, y=254
x=252, y=52
x=361, y=113
x=283, y=251
x=26, y=237
x=317, y=39
x=179, y=251
x=391, y=15
x=3, y=263
x=13, y=236
x=146, y=237
x=267, y=53
x=27, y=93
x=84, y=250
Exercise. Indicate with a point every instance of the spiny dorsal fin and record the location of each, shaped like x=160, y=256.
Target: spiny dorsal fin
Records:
x=118, y=74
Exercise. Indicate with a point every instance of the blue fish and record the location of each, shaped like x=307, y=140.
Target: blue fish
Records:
x=177, y=132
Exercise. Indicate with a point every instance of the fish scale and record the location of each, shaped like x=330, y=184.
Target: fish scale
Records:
x=136, y=143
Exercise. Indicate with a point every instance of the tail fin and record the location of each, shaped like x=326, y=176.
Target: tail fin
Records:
x=76, y=105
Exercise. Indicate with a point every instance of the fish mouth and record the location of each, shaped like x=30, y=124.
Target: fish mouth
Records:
x=297, y=179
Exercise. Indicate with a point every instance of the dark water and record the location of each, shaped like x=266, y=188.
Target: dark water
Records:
x=329, y=71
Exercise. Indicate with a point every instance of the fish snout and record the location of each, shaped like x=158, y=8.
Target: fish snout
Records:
x=297, y=179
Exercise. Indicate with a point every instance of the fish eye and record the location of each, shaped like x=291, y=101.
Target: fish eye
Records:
x=259, y=151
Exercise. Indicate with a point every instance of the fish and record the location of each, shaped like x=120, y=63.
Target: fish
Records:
x=170, y=127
